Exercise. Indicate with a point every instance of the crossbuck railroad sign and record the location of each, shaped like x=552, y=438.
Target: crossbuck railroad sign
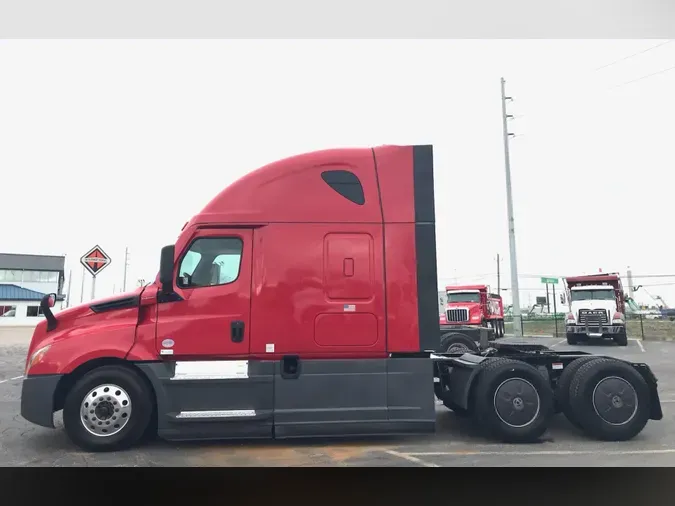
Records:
x=95, y=260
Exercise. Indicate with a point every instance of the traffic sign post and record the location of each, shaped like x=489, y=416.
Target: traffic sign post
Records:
x=94, y=261
x=555, y=311
x=552, y=282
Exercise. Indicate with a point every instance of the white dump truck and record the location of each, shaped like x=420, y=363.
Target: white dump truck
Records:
x=597, y=308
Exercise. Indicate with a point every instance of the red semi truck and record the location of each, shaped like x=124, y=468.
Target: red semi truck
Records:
x=300, y=302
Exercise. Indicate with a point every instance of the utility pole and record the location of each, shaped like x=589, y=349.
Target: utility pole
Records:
x=70, y=280
x=126, y=263
x=499, y=280
x=517, y=321
x=82, y=289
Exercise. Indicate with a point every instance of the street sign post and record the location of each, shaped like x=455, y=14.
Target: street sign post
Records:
x=555, y=310
x=546, y=281
x=94, y=261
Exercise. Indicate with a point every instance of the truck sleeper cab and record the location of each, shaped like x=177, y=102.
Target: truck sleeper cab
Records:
x=301, y=301
x=269, y=317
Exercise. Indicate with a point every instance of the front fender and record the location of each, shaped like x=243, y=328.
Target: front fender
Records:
x=88, y=340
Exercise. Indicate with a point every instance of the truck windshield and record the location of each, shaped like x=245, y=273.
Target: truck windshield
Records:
x=463, y=297
x=592, y=295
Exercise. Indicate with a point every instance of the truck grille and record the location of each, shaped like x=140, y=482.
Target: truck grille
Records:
x=593, y=317
x=457, y=315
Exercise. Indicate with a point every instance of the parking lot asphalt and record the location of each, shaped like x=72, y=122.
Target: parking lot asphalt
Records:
x=456, y=442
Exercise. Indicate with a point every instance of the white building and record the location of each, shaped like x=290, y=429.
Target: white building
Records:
x=24, y=280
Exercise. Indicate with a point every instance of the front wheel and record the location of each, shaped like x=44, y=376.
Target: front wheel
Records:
x=108, y=409
x=621, y=339
x=572, y=339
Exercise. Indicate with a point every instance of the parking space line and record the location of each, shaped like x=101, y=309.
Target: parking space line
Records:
x=11, y=379
x=410, y=458
x=559, y=342
x=639, y=343
x=471, y=453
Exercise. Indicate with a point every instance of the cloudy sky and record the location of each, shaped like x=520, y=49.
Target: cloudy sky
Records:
x=119, y=143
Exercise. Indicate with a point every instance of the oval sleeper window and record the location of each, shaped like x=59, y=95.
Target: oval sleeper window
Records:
x=346, y=184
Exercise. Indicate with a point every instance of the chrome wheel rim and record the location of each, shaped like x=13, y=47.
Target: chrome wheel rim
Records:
x=105, y=410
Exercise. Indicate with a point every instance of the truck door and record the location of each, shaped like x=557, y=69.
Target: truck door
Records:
x=213, y=277
x=210, y=388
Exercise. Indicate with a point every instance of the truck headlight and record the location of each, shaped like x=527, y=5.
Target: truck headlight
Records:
x=36, y=357
x=618, y=318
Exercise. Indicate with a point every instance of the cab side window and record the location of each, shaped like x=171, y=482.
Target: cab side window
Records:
x=210, y=261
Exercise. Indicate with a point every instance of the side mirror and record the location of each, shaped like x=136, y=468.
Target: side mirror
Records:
x=166, y=268
x=46, y=305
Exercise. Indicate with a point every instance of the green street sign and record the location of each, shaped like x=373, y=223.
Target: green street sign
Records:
x=553, y=281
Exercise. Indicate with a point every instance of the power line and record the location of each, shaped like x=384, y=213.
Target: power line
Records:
x=654, y=276
x=633, y=55
x=660, y=284
x=533, y=276
x=643, y=77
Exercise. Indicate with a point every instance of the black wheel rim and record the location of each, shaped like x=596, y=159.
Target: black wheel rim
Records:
x=615, y=400
x=516, y=402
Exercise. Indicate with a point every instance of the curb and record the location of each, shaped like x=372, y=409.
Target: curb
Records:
x=545, y=336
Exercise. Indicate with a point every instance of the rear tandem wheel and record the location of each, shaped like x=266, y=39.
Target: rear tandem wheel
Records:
x=610, y=399
x=561, y=395
x=512, y=400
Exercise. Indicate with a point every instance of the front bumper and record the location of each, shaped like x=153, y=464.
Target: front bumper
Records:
x=595, y=329
x=37, y=398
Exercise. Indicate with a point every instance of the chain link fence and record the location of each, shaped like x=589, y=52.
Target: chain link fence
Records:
x=638, y=326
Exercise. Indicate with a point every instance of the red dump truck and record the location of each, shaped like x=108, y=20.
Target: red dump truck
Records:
x=597, y=306
x=302, y=302
x=469, y=311
x=474, y=305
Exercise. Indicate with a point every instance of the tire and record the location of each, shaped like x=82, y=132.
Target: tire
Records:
x=561, y=395
x=624, y=400
x=124, y=385
x=621, y=339
x=572, y=339
x=459, y=343
x=502, y=328
x=513, y=401
x=494, y=324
